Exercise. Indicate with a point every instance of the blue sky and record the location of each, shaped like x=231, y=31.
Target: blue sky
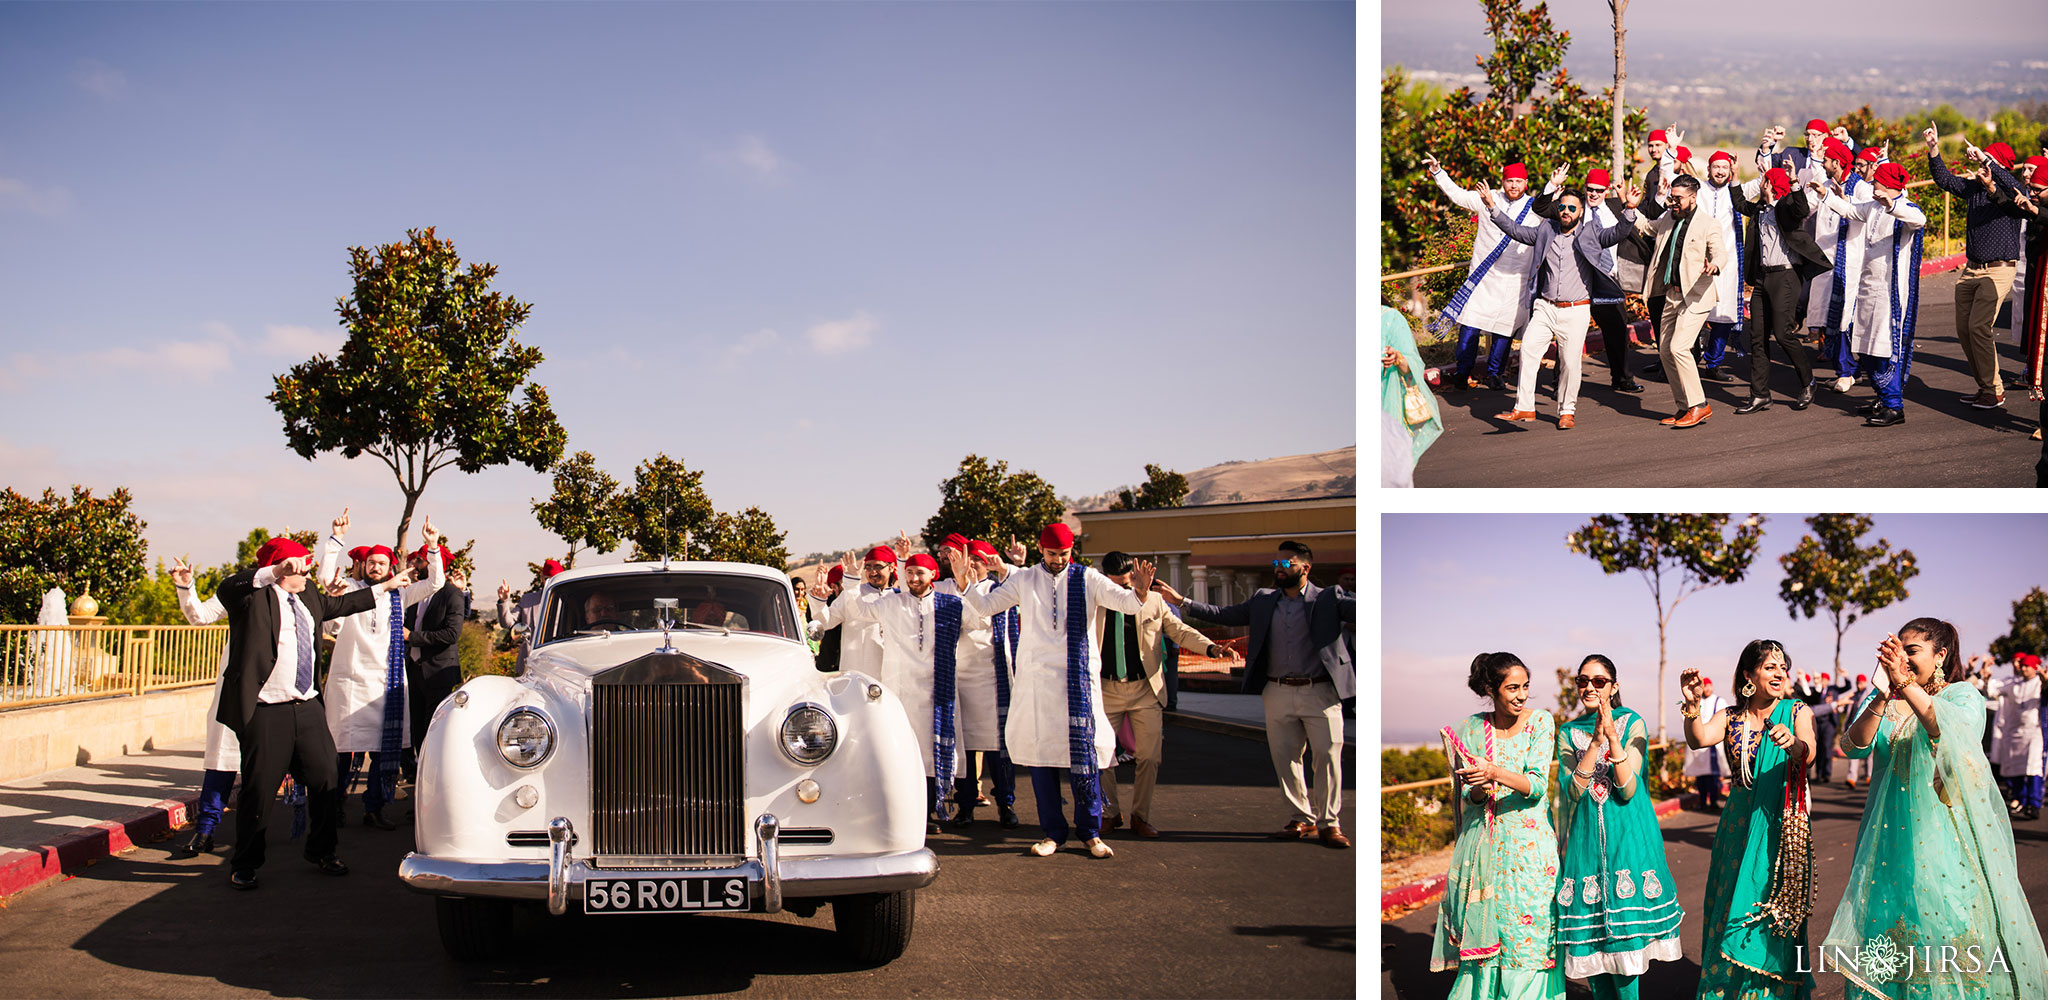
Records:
x=1902, y=24
x=1461, y=585
x=819, y=252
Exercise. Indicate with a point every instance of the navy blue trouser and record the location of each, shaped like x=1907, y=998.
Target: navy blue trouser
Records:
x=1468, y=351
x=1052, y=809
x=967, y=787
x=213, y=799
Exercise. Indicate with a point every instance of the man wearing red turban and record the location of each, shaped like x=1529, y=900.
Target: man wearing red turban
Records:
x=523, y=618
x=1493, y=299
x=860, y=642
x=1888, y=290
x=1781, y=258
x=984, y=686
x=269, y=699
x=1991, y=241
x=1831, y=296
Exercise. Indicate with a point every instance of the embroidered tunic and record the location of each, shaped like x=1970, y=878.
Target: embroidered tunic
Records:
x=1500, y=302
x=979, y=727
x=1742, y=959
x=358, y=672
x=1038, y=729
x=1618, y=906
x=909, y=654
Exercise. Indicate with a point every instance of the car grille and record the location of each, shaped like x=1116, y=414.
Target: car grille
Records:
x=666, y=763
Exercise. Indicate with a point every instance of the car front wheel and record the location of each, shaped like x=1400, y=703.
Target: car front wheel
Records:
x=474, y=929
x=875, y=927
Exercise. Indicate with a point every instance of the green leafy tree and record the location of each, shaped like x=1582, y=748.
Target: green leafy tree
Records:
x=1163, y=488
x=584, y=511
x=77, y=542
x=1828, y=572
x=427, y=376
x=2029, y=628
x=1532, y=112
x=984, y=499
x=1678, y=555
x=665, y=509
x=748, y=536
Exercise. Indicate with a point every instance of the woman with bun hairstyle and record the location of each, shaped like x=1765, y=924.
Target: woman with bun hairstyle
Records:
x=1760, y=880
x=1495, y=923
x=1618, y=906
x=1935, y=866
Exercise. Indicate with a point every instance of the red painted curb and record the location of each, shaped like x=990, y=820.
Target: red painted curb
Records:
x=1431, y=889
x=1949, y=263
x=22, y=870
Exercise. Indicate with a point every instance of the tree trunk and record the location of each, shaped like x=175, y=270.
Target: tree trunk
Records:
x=412, y=499
x=1661, y=700
x=1620, y=8
x=571, y=564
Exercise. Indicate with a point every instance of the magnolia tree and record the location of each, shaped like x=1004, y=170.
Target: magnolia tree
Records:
x=2029, y=629
x=1828, y=572
x=584, y=510
x=1162, y=488
x=985, y=500
x=1678, y=555
x=71, y=542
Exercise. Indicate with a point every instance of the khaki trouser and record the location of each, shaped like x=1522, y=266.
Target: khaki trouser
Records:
x=1135, y=701
x=1682, y=323
x=1979, y=292
x=1309, y=716
x=1566, y=325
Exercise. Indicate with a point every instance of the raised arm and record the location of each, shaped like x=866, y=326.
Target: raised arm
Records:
x=1467, y=200
x=1518, y=233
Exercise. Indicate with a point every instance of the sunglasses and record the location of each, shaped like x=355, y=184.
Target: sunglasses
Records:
x=1282, y=563
x=1595, y=682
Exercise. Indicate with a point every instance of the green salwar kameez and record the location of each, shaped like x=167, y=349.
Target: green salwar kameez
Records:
x=1742, y=958
x=1618, y=907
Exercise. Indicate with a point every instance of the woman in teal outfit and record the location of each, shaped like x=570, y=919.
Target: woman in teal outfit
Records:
x=1618, y=907
x=1759, y=883
x=1935, y=828
x=1499, y=907
x=1405, y=434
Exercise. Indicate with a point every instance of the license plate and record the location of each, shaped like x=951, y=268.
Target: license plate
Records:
x=667, y=894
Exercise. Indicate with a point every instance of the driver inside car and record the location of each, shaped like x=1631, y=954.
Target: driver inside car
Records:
x=600, y=607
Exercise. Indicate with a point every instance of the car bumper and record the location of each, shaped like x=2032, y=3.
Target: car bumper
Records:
x=770, y=878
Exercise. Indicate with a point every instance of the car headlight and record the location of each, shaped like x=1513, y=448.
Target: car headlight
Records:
x=809, y=734
x=526, y=737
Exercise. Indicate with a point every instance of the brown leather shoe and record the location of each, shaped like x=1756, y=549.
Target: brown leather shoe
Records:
x=1114, y=823
x=1695, y=416
x=1564, y=423
x=1672, y=419
x=1333, y=837
x=1300, y=829
x=1144, y=829
x=1520, y=415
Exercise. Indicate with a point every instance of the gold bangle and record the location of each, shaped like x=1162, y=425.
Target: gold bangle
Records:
x=1690, y=711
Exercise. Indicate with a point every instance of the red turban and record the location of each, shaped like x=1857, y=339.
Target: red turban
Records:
x=882, y=554
x=1891, y=175
x=2002, y=153
x=1597, y=176
x=1707, y=682
x=1657, y=135
x=359, y=553
x=378, y=550
x=977, y=547
x=835, y=574
x=1513, y=171
x=1781, y=182
x=1056, y=536
x=1870, y=154
x=2026, y=660
x=277, y=550
x=1719, y=155
x=1862, y=678
x=1839, y=153
x=551, y=567
x=1684, y=155
x=1816, y=125
x=922, y=559
x=955, y=540
x=2039, y=163
x=422, y=555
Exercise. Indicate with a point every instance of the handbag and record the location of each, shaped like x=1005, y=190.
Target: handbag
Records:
x=1414, y=408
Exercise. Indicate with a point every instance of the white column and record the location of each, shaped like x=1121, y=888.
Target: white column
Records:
x=1173, y=577
x=1200, y=586
x=1226, y=581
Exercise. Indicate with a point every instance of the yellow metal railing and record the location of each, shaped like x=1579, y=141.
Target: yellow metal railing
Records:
x=43, y=665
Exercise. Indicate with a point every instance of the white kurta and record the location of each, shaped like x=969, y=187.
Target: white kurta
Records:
x=910, y=660
x=1826, y=228
x=860, y=643
x=2017, y=749
x=1037, y=730
x=1500, y=304
x=975, y=676
x=1885, y=256
x=223, y=749
x=355, y=692
x=1702, y=762
x=1720, y=204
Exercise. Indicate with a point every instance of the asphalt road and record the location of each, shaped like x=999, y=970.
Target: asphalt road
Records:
x=1688, y=846
x=1215, y=909
x=1618, y=441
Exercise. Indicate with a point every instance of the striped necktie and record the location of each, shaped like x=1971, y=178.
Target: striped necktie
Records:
x=303, y=623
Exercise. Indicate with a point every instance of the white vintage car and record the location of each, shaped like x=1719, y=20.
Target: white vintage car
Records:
x=671, y=748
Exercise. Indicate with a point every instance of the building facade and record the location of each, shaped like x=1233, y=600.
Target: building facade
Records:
x=1222, y=553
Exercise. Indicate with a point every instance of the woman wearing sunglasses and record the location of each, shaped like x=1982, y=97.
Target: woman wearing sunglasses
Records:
x=1617, y=909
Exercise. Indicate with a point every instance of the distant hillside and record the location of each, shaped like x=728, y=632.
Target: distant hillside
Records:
x=1293, y=477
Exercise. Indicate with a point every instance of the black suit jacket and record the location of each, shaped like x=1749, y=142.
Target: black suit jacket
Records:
x=436, y=627
x=253, y=624
x=1329, y=609
x=1792, y=210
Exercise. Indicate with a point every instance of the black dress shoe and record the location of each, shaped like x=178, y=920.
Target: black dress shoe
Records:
x=1007, y=816
x=242, y=880
x=963, y=821
x=1626, y=384
x=1493, y=382
x=1456, y=383
x=1868, y=408
x=329, y=865
x=1884, y=416
x=377, y=820
x=1805, y=398
x=201, y=844
x=1716, y=375
x=1753, y=404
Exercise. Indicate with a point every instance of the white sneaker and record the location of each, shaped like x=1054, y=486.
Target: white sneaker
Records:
x=1097, y=848
x=1842, y=384
x=1044, y=848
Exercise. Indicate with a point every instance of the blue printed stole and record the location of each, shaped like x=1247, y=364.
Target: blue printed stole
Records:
x=1903, y=321
x=1003, y=629
x=1742, y=263
x=1840, y=287
x=1448, y=319
x=1606, y=262
x=394, y=694
x=946, y=636
x=1080, y=710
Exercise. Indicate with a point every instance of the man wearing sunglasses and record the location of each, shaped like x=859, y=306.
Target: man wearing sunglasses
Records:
x=1569, y=278
x=1297, y=663
x=1603, y=208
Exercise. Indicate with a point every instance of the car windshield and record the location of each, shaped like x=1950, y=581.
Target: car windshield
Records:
x=625, y=603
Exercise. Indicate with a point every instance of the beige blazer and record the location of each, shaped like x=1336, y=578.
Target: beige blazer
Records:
x=1702, y=245
x=1153, y=620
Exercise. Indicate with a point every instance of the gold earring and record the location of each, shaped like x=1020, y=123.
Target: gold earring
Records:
x=1748, y=689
